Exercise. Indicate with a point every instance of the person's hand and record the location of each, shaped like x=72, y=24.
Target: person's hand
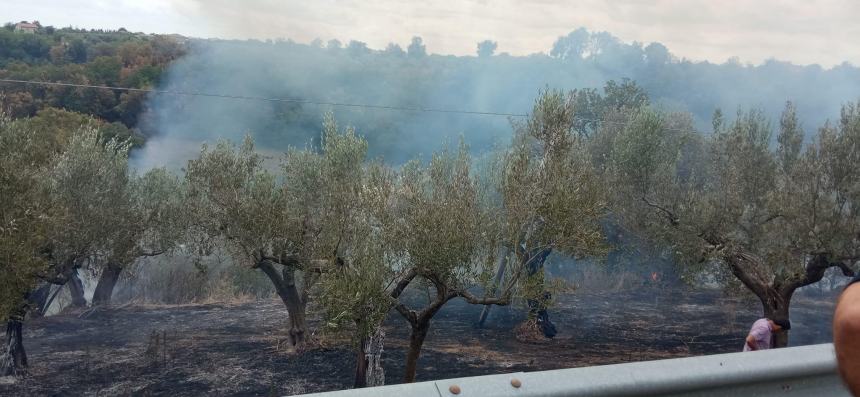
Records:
x=846, y=337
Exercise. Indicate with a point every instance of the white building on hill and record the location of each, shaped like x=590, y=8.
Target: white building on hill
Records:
x=26, y=27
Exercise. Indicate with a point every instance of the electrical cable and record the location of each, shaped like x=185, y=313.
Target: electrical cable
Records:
x=305, y=101
x=258, y=98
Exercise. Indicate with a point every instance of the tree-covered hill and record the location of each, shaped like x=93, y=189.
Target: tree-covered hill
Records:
x=90, y=57
x=489, y=81
x=353, y=73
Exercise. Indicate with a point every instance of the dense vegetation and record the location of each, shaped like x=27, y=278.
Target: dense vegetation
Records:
x=354, y=233
x=744, y=203
x=78, y=56
x=411, y=77
x=353, y=73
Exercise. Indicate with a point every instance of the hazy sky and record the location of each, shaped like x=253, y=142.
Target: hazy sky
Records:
x=801, y=31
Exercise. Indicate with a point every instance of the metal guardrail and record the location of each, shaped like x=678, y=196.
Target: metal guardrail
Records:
x=795, y=371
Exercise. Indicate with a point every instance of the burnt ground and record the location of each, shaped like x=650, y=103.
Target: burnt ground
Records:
x=239, y=349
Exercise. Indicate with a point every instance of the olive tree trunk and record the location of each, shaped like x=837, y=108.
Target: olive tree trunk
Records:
x=368, y=368
x=40, y=299
x=416, y=340
x=76, y=289
x=776, y=296
x=500, y=274
x=285, y=285
x=776, y=307
x=107, y=281
x=538, y=304
x=13, y=360
x=420, y=321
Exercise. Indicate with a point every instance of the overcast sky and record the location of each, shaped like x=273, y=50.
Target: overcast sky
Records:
x=801, y=31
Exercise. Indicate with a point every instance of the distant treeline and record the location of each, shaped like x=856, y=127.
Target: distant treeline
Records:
x=398, y=76
x=113, y=58
x=490, y=81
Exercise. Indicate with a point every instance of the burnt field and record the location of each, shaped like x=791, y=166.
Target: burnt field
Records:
x=241, y=349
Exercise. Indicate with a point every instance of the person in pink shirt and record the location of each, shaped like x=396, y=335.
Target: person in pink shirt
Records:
x=761, y=333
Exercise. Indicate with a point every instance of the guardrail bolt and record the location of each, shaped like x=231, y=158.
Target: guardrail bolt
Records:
x=454, y=389
x=516, y=383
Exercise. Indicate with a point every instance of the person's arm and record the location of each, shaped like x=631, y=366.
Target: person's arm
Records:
x=846, y=336
x=757, y=334
x=752, y=342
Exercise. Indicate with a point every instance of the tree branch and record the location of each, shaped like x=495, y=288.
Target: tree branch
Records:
x=282, y=259
x=813, y=273
x=503, y=300
x=735, y=262
x=60, y=273
x=150, y=253
x=443, y=295
x=404, y=282
x=410, y=315
x=266, y=266
x=295, y=261
x=669, y=214
x=770, y=218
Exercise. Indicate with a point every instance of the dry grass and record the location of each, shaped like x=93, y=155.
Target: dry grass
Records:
x=598, y=278
x=182, y=280
x=529, y=332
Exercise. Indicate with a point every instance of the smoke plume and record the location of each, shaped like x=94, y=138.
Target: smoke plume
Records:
x=406, y=76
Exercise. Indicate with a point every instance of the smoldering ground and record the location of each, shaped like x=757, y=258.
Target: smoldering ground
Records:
x=240, y=349
x=239, y=346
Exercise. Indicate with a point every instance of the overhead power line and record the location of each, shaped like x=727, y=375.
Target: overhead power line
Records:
x=307, y=101
x=259, y=98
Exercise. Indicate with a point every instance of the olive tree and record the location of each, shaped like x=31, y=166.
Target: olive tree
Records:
x=355, y=295
x=58, y=211
x=775, y=216
x=547, y=195
x=152, y=207
x=234, y=202
x=441, y=225
x=292, y=226
x=25, y=218
x=538, y=196
x=89, y=184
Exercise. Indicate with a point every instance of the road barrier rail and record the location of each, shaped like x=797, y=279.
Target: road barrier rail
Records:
x=794, y=371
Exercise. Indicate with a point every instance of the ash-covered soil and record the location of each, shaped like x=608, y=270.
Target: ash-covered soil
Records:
x=240, y=349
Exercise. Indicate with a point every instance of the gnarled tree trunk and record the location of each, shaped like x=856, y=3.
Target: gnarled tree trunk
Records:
x=285, y=285
x=104, y=289
x=296, y=306
x=13, y=360
x=420, y=322
x=40, y=299
x=416, y=341
x=76, y=289
x=774, y=304
x=776, y=297
x=500, y=274
x=538, y=305
x=368, y=369
x=776, y=307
